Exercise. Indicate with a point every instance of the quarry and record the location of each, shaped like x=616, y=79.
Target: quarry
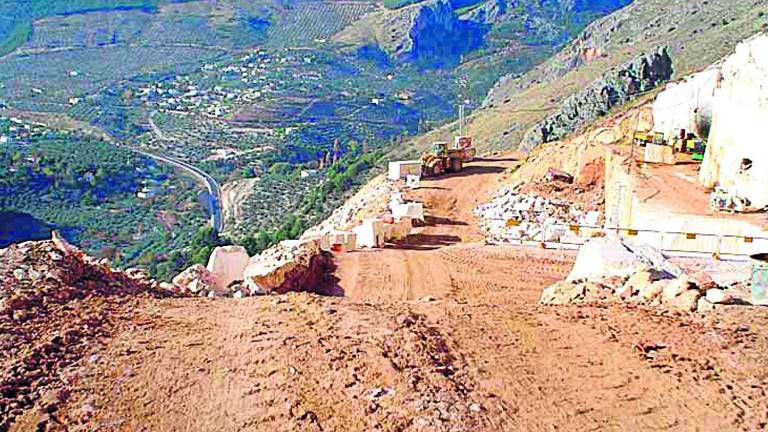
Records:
x=611, y=278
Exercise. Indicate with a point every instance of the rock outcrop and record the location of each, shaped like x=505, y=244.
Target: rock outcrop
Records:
x=290, y=266
x=615, y=88
x=735, y=158
x=438, y=38
x=686, y=104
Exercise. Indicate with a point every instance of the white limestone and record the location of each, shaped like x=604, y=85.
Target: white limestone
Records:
x=737, y=157
x=226, y=265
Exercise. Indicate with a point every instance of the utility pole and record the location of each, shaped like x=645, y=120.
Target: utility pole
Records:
x=461, y=119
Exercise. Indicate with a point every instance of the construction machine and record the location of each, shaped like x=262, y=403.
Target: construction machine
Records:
x=444, y=159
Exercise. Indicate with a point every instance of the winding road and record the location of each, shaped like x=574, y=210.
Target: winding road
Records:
x=214, y=190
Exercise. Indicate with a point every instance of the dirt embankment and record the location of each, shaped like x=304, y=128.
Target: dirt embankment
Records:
x=439, y=333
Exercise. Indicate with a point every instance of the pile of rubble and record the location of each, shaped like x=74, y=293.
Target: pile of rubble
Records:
x=34, y=275
x=515, y=216
x=587, y=189
x=291, y=265
x=371, y=200
x=606, y=271
x=56, y=303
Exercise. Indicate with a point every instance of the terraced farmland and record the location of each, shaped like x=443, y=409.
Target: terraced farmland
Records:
x=54, y=77
x=88, y=30
x=310, y=21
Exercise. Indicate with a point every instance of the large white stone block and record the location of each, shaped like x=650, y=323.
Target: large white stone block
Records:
x=400, y=169
x=370, y=234
x=226, y=265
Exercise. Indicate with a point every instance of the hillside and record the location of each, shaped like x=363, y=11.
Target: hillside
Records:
x=696, y=34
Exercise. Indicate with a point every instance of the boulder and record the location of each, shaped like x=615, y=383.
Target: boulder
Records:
x=653, y=291
x=267, y=276
x=718, y=296
x=195, y=278
x=686, y=302
x=226, y=265
x=604, y=257
x=613, y=282
x=562, y=293
x=138, y=273
x=289, y=266
x=675, y=288
x=624, y=292
x=640, y=281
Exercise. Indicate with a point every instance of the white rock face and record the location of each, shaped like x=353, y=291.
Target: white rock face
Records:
x=739, y=120
x=603, y=257
x=686, y=105
x=226, y=265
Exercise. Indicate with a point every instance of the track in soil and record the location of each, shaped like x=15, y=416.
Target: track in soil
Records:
x=442, y=333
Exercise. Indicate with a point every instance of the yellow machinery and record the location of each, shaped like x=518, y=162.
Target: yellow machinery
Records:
x=442, y=159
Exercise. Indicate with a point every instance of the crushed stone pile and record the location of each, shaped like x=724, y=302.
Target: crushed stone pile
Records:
x=370, y=201
x=515, y=216
x=588, y=190
x=56, y=303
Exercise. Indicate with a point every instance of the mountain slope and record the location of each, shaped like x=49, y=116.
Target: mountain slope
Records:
x=697, y=34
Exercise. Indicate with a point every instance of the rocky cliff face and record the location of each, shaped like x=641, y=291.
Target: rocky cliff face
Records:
x=698, y=33
x=617, y=87
x=437, y=33
x=438, y=38
x=737, y=157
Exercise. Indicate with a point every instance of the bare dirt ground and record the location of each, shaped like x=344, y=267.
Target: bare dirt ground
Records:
x=439, y=333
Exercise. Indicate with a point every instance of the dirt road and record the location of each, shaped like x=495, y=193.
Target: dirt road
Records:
x=441, y=333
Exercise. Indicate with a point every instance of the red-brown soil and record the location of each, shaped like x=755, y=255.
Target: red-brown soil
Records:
x=439, y=333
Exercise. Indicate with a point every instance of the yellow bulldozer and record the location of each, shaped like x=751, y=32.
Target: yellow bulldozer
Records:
x=444, y=159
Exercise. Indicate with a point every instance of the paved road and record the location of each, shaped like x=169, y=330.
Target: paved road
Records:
x=214, y=190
